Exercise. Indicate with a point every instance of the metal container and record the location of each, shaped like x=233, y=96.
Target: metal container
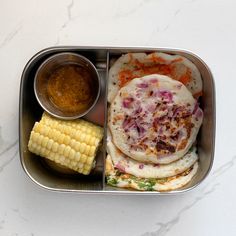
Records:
x=48, y=67
x=51, y=178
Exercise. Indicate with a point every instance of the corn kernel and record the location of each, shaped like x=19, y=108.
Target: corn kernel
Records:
x=61, y=138
x=45, y=141
x=50, y=143
x=89, y=160
x=66, y=140
x=40, y=139
x=55, y=147
x=77, y=156
x=77, y=146
x=82, y=147
x=72, y=154
x=72, y=143
x=92, y=151
x=83, y=158
x=69, y=143
x=66, y=151
x=61, y=149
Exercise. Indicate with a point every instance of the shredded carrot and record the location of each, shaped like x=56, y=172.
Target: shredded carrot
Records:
x=125, y=76
x=138, y=63
x=186, y=78
x=157, y=59
x=125, y=176
x=179, y=59
x=157, y=69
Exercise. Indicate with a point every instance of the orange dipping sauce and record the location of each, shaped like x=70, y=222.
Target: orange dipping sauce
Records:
x=70, y=88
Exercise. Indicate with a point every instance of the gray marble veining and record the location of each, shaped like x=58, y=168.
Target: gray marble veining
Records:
x=10, y=36
x=70, y=18
x=210, y=187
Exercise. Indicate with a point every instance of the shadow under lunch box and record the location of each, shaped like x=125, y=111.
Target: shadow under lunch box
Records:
x=43, y=173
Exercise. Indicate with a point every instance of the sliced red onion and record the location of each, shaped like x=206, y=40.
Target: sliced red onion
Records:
x=120, y=167
x=177, y=111
x=141, y=166
x=142, y=85
x=199, y=113
x=165, y=94
x=127, y=102
x=179, y=86
x=140, y=130
x=181, y=111
x=138, y=110
x=156, y=93
x=196, y=106
x=153, y=81
x=161, y=130
x=128, y=123
x=151, y=108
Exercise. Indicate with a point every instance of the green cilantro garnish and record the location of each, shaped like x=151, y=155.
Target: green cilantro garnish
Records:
x=112, y=181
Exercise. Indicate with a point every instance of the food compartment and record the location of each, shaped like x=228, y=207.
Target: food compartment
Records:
x=206, y=135
x=43, y=171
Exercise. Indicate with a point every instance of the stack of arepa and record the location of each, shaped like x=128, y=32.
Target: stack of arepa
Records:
x=153, y=121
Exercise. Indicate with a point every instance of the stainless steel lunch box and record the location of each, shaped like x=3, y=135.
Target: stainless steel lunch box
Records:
x=42, y=173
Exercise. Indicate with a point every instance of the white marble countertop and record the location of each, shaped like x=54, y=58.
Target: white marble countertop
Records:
x=205, y=27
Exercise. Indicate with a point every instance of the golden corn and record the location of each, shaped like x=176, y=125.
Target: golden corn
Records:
x=70, y=143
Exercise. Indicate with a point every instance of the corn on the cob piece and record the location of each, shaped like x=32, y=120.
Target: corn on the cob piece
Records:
x=70, y=143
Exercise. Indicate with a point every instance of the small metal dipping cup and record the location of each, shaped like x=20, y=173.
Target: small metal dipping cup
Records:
x=48, y=67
